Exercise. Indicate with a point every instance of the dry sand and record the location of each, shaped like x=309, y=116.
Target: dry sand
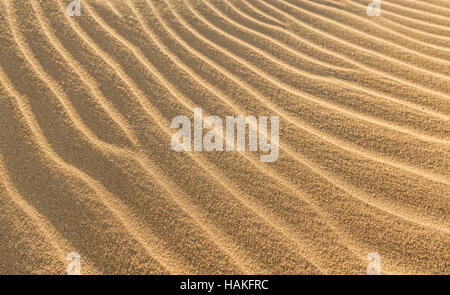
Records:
x=86, y=163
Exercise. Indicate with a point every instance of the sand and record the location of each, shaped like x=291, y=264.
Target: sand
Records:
x=86, y=163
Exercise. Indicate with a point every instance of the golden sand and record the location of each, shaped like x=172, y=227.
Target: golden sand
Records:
x=86, y=163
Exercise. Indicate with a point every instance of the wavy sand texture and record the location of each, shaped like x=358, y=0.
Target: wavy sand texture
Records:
x=86, y=163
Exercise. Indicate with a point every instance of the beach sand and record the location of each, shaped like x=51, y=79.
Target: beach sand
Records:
x=86, y=163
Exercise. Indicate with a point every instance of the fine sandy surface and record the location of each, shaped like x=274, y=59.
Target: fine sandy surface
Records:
x=86, y=163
